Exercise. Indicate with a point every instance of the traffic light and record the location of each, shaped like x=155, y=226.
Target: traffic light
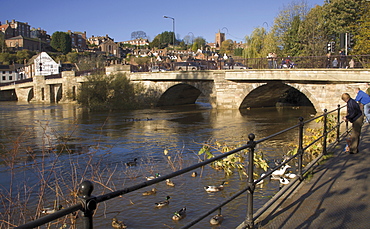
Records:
x=350, y=40
x=342, y=38
x=332, y=46
x=328, y=49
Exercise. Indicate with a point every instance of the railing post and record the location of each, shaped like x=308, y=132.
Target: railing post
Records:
x=88, y=203
x=325, y=132
x=249, y=221
x=300, y=148
x=338, y=124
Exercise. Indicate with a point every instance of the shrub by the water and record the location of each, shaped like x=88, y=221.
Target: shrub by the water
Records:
x=110, y=92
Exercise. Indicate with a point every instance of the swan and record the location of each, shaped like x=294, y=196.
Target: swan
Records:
x=290, y=175
x=284, y=181
x=281, y=171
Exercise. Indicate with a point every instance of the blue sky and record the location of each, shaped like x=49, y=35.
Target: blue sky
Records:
x=119, y=18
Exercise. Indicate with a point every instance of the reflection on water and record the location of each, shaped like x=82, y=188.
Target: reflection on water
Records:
x=80, y=145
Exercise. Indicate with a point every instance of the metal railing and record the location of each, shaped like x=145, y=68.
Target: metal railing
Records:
x=88, y=203
x=280, y=62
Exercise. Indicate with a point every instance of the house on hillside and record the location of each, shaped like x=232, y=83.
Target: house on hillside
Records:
x=111, y=48
x=20, y=42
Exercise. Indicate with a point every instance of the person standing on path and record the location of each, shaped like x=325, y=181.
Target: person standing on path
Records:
x=354, y=115
x=364, y=102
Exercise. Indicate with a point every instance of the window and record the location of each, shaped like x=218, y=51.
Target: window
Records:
x=10, y=77
x=4, y=78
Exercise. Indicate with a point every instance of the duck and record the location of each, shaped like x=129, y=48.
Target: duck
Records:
x=179, y=214
x=118, y=224
x=153, y=177
x=132, y=163
x=163, y=203
x=213, y=188
x=290, y=175
x=280, y=172
x=150, y=192
x=217, y=219
x=51, y=210
x=170, y=183
x=194, y=174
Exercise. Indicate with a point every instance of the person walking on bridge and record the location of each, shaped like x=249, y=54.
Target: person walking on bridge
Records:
x=364, y=102
x=354, y=115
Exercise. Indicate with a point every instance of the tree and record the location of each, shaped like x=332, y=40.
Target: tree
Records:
x=162, y=40
x=61, y=42
x=201, y=42
x=362, y=31
x=286, y=25
x=24, y=55
x=313, y=34
x=255, y=44
x=227, y=47
x=138, y=35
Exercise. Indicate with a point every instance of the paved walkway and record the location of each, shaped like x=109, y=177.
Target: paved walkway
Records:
x=337, y=196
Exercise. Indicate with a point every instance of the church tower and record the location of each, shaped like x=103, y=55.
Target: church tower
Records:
x=220, y=37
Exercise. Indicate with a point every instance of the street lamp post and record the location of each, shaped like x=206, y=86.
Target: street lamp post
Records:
x=173, y=28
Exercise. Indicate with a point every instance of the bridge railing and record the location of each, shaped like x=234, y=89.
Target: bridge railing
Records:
x=88, y=203
x=279, y=62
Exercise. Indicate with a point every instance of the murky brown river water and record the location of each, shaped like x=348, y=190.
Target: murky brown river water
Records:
x=68, y=145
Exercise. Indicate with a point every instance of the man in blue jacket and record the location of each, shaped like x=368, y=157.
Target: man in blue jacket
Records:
x=354, y=115
x=364, y=100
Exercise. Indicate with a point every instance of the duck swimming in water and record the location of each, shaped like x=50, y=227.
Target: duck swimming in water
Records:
x=118, y=224
x=213, y=188
x=153, y=177
x=151, y=192
x=132, y=163
x=170, y=183
x=163, y=203
x=179, y=214
x=217, y=219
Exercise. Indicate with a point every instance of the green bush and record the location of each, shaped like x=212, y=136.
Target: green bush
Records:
x=113, y=92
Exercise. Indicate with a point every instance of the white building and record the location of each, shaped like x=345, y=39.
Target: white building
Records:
x=10, y=73
x=45, y=65
x=41, y=64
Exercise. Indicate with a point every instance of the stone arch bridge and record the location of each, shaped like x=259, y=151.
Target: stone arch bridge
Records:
x=231, y=89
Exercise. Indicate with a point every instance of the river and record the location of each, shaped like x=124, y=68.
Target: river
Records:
x=52, y=148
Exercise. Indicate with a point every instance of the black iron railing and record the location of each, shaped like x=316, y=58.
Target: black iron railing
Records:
x=88, y=203
x=279, y=62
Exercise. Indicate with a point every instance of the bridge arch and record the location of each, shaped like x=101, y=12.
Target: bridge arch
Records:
x=276, y=94
x=179, y=94
x=171, y=93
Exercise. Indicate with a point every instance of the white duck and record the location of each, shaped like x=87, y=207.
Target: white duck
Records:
x=280, y=172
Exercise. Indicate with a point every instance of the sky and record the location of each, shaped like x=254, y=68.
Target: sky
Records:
x=119, y=18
